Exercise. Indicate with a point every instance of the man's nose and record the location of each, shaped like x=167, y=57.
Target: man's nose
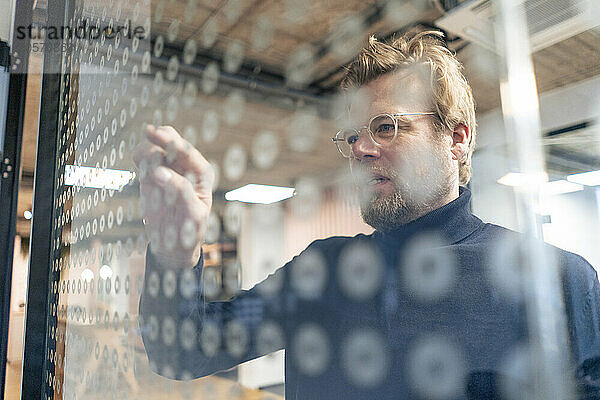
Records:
x=364, y=147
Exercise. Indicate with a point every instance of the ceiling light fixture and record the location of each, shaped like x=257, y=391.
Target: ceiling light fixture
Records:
x=591, y=178
x=560, y=187
x=261, y=194
x=90, y=177
x=517, y=179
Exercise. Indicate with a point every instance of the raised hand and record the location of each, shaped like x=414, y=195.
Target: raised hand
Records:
x=176, y=184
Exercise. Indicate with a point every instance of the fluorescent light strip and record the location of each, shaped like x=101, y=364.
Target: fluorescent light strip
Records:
x=521, y=179
x=517, y=179
x=591, y=178
x=560, y=187
x=91, y=177
x=260, y=194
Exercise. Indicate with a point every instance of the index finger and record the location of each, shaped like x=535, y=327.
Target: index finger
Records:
x=179, y=153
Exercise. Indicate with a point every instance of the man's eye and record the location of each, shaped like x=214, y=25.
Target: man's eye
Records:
x=352, y=139
x=385, y=129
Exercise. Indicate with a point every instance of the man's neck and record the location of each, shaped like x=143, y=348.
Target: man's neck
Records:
x=453, y=195
x=442, y=201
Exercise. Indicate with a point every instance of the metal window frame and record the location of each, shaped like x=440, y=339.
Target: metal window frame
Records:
x=10, y=174
x=41, y=248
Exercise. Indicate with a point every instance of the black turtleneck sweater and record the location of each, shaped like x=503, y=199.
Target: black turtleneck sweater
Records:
x=431, y=310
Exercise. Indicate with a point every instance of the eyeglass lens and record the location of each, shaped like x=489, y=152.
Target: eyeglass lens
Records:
x=346, y=139
x=382, y=129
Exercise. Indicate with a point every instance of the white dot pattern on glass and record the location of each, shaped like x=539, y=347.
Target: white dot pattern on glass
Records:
x=269, y=337
x=190, y=50
x=272, y=286
x=516, y=369
x=365, y=358
x=402, y=12
x=300, y=66
x=234, y=162
x=309, y=275
x=213, y=230
x=232, y=277
x=210, y=32
x=210, y=339
x=296, y=10
x=262, y=34
x=436, y=368
x=233, y=10
x=170, y=238
x=210, y=126
x=303, y=131
x=347, y=38
x=190, y=94
x=153, y=284
x=505, y=268
x=312, y=349
x=189, y=234
x=307, y=198
x=210, y=77
x=428, y=269
x=190, y=134
x=234, y=56
x=232, y=218
x=360, y=271
x=235, y=105
x=153, y=327
x=169, y=283
x=187, y=284
x=168, y=331
x=236, y=338
x=187, y=334
x=268, y=215
x=265, y=149
x=211, y=283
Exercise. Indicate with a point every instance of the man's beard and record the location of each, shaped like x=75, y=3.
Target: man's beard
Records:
x=421, y=185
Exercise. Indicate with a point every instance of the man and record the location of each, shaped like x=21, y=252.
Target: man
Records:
x=426, y=307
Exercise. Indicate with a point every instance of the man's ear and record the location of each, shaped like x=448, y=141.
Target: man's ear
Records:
x=460, y=141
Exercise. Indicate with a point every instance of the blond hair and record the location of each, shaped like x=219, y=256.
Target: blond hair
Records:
x=450, y=90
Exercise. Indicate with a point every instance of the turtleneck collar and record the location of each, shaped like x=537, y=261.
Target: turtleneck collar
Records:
x=453, y=220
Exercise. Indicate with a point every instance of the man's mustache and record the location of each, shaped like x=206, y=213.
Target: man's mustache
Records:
x=365, y=173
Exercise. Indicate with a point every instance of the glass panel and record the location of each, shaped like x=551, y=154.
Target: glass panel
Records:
x=197, y=171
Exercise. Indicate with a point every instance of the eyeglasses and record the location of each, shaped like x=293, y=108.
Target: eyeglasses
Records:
x=382, y=128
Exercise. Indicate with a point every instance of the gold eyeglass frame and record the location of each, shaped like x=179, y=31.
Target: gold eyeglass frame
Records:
x=394, y=117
